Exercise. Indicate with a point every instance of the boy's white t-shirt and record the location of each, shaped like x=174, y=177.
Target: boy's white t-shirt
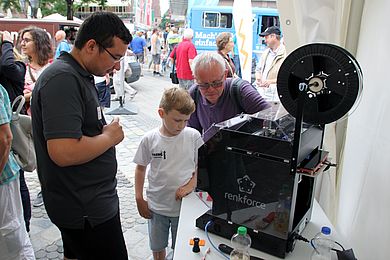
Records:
x=172, y=162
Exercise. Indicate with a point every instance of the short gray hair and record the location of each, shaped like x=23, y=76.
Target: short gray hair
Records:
x=207, y=59
x=188, y=33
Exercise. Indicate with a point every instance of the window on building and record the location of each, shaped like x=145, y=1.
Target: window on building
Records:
x=93, y=9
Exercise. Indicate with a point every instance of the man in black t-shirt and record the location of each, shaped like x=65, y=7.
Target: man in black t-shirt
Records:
x=75, y=146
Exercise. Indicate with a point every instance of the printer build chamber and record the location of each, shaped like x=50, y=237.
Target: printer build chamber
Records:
x=245, y=166
x=260, y=169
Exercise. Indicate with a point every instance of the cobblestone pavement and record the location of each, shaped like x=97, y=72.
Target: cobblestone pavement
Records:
x=46, y=238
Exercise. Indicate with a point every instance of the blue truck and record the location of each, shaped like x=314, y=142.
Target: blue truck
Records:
x=208, y=21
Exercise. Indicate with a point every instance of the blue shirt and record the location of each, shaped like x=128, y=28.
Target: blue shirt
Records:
x=11, y=169
x=63, y=46
x=137, y=45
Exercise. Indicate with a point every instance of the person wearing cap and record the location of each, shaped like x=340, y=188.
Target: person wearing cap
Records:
x=271, y=59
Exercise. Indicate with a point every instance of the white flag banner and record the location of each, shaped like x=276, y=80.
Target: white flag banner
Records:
x=242, y=15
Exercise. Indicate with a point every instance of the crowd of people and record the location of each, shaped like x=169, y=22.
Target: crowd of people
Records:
x=65, y=89
x=169, y=47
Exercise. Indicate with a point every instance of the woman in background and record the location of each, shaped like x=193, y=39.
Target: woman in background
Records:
x=36, y=45
x=225, y=45
x=12, y=71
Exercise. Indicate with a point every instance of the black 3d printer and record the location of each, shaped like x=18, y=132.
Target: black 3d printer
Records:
x=260, y=169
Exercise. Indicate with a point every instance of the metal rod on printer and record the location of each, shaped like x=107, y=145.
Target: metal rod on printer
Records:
x=298, y=126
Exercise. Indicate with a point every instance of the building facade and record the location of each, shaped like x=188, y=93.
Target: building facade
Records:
x=123, y=8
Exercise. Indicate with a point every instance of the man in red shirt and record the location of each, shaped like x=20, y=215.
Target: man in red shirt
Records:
x=185, y=52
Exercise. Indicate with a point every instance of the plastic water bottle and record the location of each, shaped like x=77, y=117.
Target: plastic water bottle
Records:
x=241, y=242
x=322, y=244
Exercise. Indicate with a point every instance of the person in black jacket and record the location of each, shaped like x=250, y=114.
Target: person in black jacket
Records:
x=12, y=72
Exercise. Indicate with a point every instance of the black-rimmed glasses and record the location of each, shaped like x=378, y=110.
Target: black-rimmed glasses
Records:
x=116, y=60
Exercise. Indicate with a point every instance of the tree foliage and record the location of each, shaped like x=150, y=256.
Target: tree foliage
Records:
x=11, y=4
x=165, y=20
x=51, y=6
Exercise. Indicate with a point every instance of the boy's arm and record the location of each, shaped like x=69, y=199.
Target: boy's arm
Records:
x=142, y=204
x=188, y=187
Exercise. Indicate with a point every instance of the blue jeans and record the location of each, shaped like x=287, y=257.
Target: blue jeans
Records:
x=104, y=94
x=236, y=61
x=158, y=227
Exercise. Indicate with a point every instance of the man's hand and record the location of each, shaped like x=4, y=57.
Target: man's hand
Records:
x=143, y=209
x=265, y=84
x=114, y=131
x=258, y=82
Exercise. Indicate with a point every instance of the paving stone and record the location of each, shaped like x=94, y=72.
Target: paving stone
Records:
x=51, y=248
x=51, y=234
x=43, y=223
x=59, y=243
x=40, y=254
x=53, y=255
x=133, y=237
x=141, y=250
x=126, y=225
x=142, y=228
x=38, y=215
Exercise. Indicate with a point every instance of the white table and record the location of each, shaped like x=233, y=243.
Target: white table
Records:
x=192, y=208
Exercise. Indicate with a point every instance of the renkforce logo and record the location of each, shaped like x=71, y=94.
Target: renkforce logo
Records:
x=245, y=184
x=244, y=200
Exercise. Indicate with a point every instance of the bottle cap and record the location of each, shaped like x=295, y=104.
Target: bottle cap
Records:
x=325, y=230
x=241, y=231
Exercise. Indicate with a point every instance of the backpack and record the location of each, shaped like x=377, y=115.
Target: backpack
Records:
x=235, y=88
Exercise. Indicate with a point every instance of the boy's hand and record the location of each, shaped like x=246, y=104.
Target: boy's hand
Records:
x=183, y=191
x=143, y=209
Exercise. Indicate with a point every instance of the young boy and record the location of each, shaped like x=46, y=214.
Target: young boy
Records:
x=171, y=151
x=164, y=58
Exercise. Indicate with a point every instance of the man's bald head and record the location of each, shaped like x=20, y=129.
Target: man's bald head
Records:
x=60, y=35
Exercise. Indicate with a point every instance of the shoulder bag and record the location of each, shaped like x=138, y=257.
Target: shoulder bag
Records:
x=173, y=74
x=22, y=142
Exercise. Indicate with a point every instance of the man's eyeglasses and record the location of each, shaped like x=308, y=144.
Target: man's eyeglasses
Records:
x=215, y=84
x=116, y=60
